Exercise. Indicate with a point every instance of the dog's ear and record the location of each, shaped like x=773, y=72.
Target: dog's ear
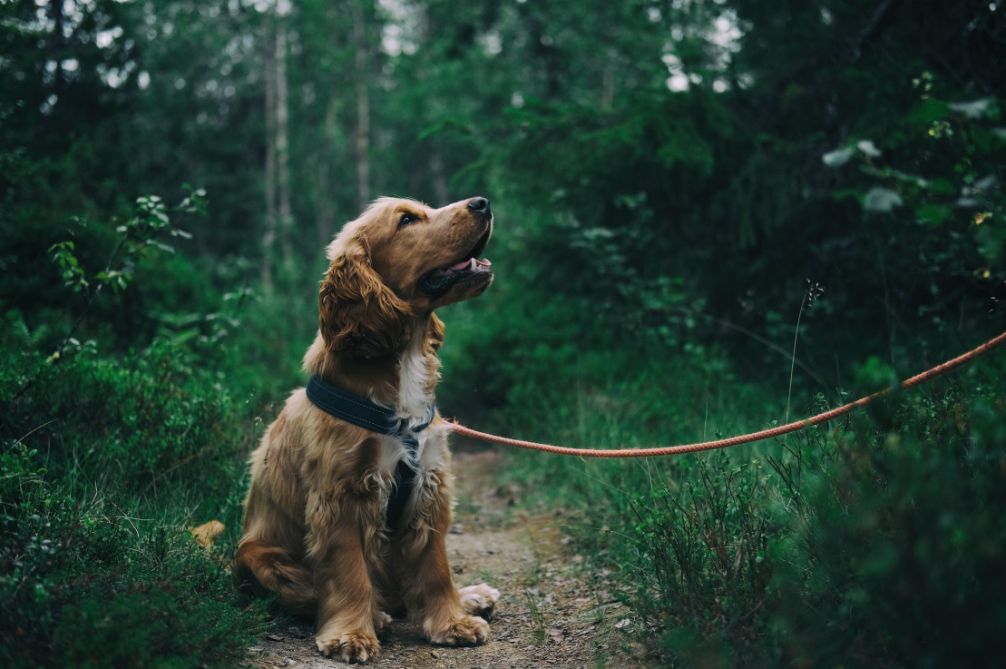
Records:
x=359, y=313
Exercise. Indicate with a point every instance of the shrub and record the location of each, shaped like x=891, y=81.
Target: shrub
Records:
x=871, y=543
x=94, y=580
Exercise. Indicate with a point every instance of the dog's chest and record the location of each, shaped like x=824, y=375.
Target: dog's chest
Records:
x=416, y=372
x=428, y=455
x=424, y=450
x=414, y=383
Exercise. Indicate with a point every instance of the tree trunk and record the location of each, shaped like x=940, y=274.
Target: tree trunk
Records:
x=269, y=223
x=544, y=51
x=324, y=222
x=57, y=47
x=361, y=138
x=285, y=212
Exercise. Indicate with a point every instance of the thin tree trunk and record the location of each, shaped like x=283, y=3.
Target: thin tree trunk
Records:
x=285, y=212
x=440, y=190
x=269, y=224
x=56, y=47
x=543, y=50
x=324, y=221
x=608, y=83
x=361, y=141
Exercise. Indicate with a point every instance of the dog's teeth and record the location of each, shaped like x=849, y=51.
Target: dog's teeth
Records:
x=471, y=264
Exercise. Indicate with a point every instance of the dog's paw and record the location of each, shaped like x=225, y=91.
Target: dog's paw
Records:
x=349, y=646
x=381, y=620
x=479, y=600
x=463, y=631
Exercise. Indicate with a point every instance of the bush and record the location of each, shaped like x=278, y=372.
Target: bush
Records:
x=128, y=423
x=101, y=580
x=895, y=556
x=118, y=433
x=873, y=543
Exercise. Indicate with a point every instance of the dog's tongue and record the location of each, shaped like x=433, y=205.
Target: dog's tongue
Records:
x=471, y=264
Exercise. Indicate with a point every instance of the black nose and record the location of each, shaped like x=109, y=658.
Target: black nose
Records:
x=479, y=204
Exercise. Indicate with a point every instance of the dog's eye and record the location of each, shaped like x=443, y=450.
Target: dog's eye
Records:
x=406, y=219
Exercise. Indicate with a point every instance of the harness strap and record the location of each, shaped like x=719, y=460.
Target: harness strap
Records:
x=369, y=415
x=405, y=472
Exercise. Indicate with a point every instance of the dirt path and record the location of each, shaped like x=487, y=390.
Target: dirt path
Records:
x=549, y=614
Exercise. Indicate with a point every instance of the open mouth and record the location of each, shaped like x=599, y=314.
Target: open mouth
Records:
x=468, y=266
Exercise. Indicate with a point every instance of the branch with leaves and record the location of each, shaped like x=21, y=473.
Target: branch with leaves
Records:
x=141, y=233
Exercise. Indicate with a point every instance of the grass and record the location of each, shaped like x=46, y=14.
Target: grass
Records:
x=105, y=465
x=849, y=544
x=537, y=617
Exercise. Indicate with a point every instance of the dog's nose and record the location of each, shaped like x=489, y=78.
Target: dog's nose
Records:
x=479, y=205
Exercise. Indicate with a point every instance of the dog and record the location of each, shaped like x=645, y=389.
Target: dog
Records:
x=346, y=518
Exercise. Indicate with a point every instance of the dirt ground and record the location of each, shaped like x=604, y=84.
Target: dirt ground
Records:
x=550, y=613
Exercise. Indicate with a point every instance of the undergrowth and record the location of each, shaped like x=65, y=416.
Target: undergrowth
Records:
x=110, y=466
x=126, y=417
x=872, y=541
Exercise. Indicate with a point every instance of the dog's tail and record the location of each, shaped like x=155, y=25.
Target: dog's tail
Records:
x=273, y=569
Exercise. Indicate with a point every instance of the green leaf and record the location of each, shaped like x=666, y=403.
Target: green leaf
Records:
x=941, y=187
x=837, y=158
x=876, y=374
x=929, y=111
x=881, y=200
x=868, y=148
x=983, y=107
x=184, y=336
x=167, y=248
x=934, y=213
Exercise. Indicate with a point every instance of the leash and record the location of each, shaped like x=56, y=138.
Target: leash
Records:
x=817, y=419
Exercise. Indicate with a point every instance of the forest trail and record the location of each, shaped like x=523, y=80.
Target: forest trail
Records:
x=550, y=614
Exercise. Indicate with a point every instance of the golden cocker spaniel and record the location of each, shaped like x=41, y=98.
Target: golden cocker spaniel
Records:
x=350, y=499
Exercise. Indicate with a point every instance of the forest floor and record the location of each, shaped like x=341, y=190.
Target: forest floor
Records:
x=550, y=613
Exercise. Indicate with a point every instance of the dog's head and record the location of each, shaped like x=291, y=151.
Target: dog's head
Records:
x=397, y=262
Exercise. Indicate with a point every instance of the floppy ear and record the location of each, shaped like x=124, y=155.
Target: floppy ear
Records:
x=359, y=313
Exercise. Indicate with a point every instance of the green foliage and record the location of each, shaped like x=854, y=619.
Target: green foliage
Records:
x=108, y=455
x=668, y=179
x=69, y=266
x=158, y=415
x=903, y=568
x=837, y=546
x=86, y=582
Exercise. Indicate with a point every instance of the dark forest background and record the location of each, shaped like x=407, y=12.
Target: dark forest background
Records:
x=711, y=216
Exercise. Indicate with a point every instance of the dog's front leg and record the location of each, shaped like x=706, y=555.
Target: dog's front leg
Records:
x=342, y=527
x=430, y=593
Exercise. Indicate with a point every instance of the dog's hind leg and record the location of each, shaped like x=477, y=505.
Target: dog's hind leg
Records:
x=275, y=570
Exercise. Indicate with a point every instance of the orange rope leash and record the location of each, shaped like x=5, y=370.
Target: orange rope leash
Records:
x=823, y=417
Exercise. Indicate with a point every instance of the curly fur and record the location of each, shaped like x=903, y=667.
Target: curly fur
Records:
x=315, y=530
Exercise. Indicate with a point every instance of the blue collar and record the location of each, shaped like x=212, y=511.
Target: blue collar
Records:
x=369, y=415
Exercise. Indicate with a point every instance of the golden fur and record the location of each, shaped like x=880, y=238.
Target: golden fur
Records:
x=315, y=531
